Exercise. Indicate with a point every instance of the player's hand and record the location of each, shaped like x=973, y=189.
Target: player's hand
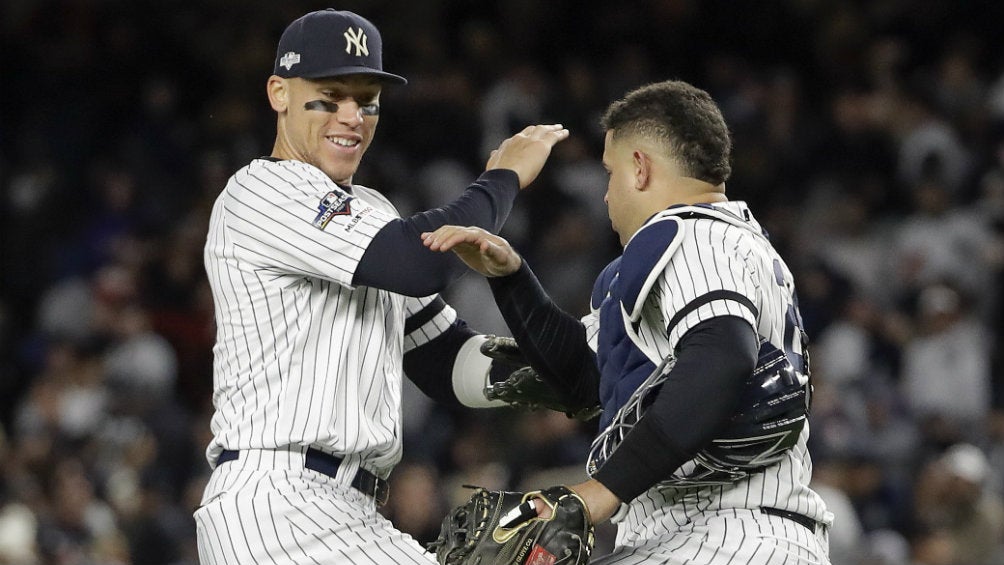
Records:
x=482, y=251
x=600, y=502
x=527, y=151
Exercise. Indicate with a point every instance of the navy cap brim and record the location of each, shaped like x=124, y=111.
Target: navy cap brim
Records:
x=385, y=77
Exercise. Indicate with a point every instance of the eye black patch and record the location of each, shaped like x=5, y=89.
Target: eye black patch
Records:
x=332, y=108
x=321, y=106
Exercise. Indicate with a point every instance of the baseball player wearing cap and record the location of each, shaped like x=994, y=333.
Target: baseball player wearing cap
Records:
x=324, y=299
x=692, y=328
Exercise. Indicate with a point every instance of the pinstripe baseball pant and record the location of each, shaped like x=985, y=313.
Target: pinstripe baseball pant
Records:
x=267, y=508
x=731, y=536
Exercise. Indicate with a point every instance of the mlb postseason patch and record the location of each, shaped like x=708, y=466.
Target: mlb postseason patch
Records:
x=333, y=204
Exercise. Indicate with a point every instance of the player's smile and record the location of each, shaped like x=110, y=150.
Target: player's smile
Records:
x=344, y=145
x=343, y=141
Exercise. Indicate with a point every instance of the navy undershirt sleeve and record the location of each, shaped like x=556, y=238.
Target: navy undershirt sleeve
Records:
x=702, y=391
x=551, y=340
x=430, y=365
x=396, y=260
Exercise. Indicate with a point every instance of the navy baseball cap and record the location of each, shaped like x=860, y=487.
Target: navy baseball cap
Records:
x=330, y=43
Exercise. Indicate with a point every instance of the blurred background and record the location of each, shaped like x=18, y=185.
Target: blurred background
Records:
x=869, y=140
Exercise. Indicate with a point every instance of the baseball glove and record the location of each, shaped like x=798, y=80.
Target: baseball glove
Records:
x=502, y=528
x=523, y=387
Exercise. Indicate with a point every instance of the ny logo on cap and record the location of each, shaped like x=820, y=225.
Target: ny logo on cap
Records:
x=358, y=38
x=289, y=59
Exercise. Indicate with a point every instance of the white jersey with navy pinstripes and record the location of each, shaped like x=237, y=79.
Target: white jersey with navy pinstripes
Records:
x=723, y=265
x=302, y=357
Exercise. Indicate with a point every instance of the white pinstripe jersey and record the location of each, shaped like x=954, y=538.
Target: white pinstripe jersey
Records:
x=302, y=357
x=729, y=253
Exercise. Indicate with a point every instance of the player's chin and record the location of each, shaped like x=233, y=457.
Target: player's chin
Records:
x=340, y=170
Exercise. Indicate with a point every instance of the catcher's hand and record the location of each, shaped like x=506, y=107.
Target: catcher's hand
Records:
x=524, y=387
x=502, y=528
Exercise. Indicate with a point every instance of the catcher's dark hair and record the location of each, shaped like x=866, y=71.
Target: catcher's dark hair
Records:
x=682, y=116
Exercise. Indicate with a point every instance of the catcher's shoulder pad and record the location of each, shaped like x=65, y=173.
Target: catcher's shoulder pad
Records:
x=644, y=259
x=601, y=288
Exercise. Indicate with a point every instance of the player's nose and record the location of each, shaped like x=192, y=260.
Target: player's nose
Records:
x=349, y=112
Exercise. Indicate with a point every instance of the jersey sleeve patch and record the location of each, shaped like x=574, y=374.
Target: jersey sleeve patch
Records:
x=331, y=205
x=644, y=259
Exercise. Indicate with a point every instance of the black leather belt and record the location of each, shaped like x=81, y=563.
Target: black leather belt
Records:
x=794, y=517
x=364, y=481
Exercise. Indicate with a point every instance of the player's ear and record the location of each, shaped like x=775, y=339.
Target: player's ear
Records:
x=278, y=93
x=642, y=169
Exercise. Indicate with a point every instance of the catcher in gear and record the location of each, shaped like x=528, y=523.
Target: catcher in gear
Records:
x=548, y=527
x=693, y=347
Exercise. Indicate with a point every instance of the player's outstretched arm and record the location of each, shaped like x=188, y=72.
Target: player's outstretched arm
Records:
x=395, y=259
x=527, y=151
x=479, y=249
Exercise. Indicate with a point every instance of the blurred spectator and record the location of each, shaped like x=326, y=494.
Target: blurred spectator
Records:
x=475, y=458
x=847, y=537
x=844, y=233
x=843, y=352
x=418, y=506
x=515, y=100
x=955, y=496
x=79, y=528
x=943, y=242
x=928, y=145
x=885, y=547
x=18, y=523
x=18, y=530
x=141, y=364
x=933, y=547
x=946, y=366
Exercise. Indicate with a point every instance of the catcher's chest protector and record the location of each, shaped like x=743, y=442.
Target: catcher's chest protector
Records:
x=619, y=294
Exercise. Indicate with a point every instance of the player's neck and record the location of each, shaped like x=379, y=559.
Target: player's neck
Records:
x=690, y=191
x=705, y=198
x=281, y=149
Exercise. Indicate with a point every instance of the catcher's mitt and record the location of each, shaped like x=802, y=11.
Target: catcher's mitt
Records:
x=502, y=528
x=523, y=387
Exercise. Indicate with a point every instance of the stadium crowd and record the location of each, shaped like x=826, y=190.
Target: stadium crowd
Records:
x=869, y=138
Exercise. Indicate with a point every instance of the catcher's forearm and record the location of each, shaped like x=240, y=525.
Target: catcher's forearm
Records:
x=600, y=501
x=553, y=341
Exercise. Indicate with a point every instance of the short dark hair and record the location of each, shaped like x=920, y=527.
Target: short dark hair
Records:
x=684, y=118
